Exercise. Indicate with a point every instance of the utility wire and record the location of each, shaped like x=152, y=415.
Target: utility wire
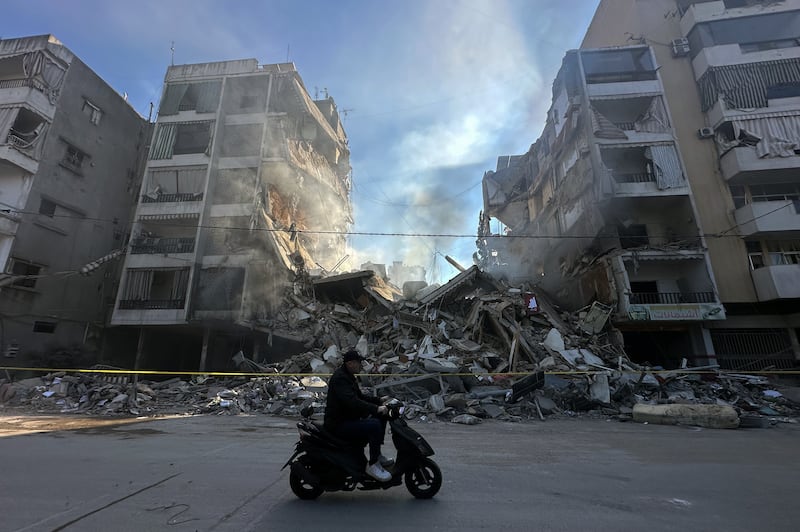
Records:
x=723, y=234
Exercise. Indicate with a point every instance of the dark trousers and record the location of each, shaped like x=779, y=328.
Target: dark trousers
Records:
x=369, y=430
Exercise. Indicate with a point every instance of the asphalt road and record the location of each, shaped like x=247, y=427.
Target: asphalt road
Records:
x=223, y=473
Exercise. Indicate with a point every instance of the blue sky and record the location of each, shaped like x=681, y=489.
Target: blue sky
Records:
x=436, y=89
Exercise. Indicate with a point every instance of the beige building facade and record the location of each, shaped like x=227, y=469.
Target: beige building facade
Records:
x=728, y=75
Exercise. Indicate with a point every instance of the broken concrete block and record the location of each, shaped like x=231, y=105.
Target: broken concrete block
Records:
x=331, y=354
x=598, y=389
x=465, y=345
x=436, y=403
x=438, y=365
x=315, y=364
x=362, y=346
x=493, y=410
x=466, y=419
x=546, y=405
x=709, y=416
x=554, y=341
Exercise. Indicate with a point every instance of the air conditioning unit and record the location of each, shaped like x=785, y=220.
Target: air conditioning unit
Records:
x=705, y=132
x=680, y=47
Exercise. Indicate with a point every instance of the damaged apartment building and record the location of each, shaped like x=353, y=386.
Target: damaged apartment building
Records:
x=665, y=182
x=246, y=193
x=71, y=151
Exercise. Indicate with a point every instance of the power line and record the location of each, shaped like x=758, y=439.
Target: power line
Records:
x=723, y=234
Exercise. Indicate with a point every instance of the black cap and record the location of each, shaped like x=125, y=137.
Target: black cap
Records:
x=352, y=355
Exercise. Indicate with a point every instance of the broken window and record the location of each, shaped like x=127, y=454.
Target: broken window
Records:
x=220, y=289
x=178, y=138
x=48, y=327
x=246, y=94
x=73, y=158
x=201, y=97
x=241, y=140
x=24, y=268
x=155, y=289
x=24, y=129
x=47, y=207
x=633, y=236
x=235, y=185
x=175, y=184
x=634, y=64
x=92, y=111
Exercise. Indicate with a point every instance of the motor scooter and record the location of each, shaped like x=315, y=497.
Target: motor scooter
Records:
x=323, y=462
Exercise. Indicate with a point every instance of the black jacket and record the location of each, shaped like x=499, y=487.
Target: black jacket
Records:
x=345, y=400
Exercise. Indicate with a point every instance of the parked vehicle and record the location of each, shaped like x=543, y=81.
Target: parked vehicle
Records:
x=322, y=462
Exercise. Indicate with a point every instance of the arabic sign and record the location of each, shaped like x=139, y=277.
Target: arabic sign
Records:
x=681, y=312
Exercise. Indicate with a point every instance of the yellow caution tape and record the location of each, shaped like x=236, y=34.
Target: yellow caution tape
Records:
x=500, y=374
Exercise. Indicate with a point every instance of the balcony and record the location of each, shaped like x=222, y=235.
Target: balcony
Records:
x=777, y=282
x=170, y=198
x=769, y=217
x=695, y=12
x=621, y=88
x=151, y=304
x=27, y=91
x=162, y=245
x=671, y=298
x=740, y=165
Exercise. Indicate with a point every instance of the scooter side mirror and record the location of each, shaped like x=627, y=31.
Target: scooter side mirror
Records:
x=307, y=411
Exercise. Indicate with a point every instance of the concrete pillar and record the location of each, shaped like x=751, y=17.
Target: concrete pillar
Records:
x=795, y=343
x=204, y=351
x=701, y=338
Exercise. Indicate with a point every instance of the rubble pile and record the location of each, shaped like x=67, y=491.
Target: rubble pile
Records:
x=469, y=350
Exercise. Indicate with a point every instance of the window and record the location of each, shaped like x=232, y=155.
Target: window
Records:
x=73, y=158
x=780, y=192
x=739, y=194
x=47, y=207
x=763, y=46
x=783, y=252
x=754, y=255
x=92, y=111
x=192, y=137
x=48, y=327
x=633, y=236
x=24, y=268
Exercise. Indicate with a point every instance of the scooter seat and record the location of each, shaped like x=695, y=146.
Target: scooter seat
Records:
x=335, y=440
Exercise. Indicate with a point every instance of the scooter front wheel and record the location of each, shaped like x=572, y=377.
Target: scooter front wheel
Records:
x=424, y=480
x=303, y=489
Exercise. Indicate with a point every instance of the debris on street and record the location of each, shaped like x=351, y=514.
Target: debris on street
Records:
x=469, y=350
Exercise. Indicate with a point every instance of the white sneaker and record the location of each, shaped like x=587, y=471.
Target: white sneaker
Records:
x=385, y=461
x=377, y=472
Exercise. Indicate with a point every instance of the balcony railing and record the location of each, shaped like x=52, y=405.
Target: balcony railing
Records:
x=628, y=177
x=671, y=298
x=626, y=126
x=17, y=83
x=151, y=304
x=166, y=198
x=162, y=245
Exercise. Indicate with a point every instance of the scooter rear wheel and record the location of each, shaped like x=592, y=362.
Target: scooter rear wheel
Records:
x=302, y=489
x=424, y=480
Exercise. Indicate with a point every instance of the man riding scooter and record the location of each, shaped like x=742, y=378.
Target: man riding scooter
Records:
x=353, y=416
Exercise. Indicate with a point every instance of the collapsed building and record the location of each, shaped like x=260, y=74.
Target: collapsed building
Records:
x=470, y=350
x=245, y=197
x=627, y=201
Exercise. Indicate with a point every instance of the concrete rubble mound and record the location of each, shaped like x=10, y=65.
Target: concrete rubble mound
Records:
x=469, y=350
